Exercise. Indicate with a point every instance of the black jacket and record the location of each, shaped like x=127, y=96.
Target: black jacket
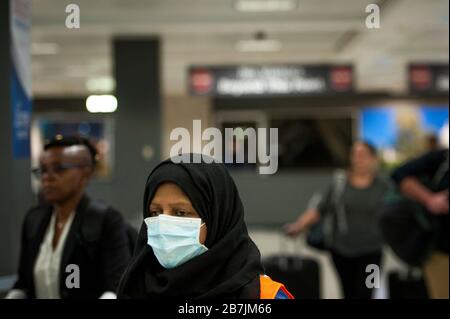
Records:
x=97, y=243
x=432, y=170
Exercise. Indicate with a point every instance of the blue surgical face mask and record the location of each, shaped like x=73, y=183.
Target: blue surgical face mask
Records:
x=174, y=240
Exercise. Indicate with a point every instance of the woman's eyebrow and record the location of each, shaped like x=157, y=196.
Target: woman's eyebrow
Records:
x=181, y=203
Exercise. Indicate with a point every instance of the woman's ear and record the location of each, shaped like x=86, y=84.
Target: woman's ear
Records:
x=203, y=234
x=88, y=172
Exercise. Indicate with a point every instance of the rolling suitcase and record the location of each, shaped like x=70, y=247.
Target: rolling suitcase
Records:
x=407, y=285
x=299, y=274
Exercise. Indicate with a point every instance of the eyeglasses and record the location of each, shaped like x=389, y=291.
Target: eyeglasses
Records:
x=55, y=169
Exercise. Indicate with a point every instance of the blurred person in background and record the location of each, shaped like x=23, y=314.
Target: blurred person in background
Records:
x=193, y=241
x=411, y=179
x=348, y=211
x=68, y=228
x=431, y=142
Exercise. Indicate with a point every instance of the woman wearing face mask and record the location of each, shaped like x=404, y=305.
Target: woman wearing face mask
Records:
x=194, y=241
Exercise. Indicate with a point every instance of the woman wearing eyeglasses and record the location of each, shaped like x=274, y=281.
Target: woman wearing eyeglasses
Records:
x=72, y=246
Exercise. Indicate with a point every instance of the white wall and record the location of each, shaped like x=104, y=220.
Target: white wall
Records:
x=180, y=111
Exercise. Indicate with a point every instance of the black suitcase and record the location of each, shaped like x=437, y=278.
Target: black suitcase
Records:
x=407, y=286
x=300, y=275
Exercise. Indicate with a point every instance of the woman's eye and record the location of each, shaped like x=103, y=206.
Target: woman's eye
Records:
x=181, y=213
x=154, y=213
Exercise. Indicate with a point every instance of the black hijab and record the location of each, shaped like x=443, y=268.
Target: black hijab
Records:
x=232, y=260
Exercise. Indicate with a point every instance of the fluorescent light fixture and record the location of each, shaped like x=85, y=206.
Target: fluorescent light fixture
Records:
x=258, y=46
x=101, y=103
x=265, y=5
x=102, y=84
x=44, y=48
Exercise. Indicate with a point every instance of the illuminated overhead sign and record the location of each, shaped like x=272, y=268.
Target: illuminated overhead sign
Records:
x=270, y=80
x=428, y=78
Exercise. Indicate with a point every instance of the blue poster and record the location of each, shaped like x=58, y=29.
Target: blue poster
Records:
x=21, y=114
x=21, y=77
x=401, y=133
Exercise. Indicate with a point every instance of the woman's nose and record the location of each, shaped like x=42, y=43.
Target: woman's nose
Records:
x=47, y=177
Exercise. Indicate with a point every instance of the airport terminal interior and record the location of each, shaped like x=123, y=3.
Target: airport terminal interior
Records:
x=301, y=86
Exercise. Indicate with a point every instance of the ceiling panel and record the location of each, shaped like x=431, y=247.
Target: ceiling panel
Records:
x=207, y=31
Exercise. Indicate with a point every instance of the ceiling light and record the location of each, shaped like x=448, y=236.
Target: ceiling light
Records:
x=102, y=84
x=258, y=46
x=44, y=48
x=265, y=5
x=101, y=103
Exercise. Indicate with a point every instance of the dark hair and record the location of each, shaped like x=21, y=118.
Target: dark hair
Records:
x=432, y=140
x=63, y=141
x=372, y=149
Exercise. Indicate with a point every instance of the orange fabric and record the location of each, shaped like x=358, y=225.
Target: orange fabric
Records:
x=270, y=288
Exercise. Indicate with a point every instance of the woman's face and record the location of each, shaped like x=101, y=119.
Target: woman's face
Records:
x=362, y=159
x=170, y=200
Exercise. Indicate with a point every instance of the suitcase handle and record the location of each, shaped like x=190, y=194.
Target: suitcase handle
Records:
x=287, y=248
x=411, y=273
x=287, y=245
